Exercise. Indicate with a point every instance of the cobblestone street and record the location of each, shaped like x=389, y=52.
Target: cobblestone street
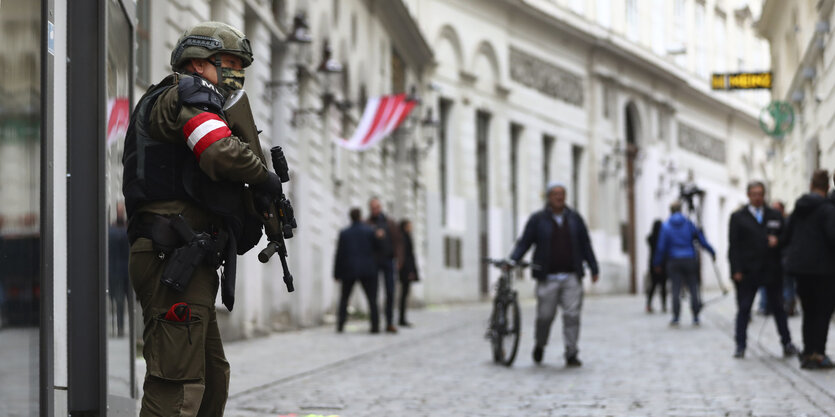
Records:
x=634, y=365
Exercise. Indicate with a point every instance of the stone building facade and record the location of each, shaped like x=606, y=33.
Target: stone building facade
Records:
x=801, y=59
x=611, y=98
x=522, y=92
x=382, y=52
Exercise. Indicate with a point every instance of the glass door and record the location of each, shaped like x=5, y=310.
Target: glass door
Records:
x=120, y=329
x=20, y=143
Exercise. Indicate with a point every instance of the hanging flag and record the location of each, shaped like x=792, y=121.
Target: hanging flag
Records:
x=381, y=117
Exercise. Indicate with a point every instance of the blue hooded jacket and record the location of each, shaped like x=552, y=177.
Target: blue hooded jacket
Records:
x=676, y=240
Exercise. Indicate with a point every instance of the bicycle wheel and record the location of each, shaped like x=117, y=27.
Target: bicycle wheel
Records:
x=506, y=327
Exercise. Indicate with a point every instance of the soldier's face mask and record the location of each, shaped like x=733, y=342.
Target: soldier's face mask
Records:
x=232, y=79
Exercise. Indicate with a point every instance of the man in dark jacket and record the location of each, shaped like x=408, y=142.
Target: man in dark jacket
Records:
x=562, y=245
x=389, y=254
x=756, y=261
x=355, y=262
x=675, y=250
x=810, y=239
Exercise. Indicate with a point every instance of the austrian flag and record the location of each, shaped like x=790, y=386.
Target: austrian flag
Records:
x=203, y=130
x=382, y=115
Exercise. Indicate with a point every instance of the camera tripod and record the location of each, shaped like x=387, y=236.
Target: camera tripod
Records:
x=689, y=192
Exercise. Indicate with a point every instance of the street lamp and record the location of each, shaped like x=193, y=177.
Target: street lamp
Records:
x=298, y=44
x=330, y=71
x=299, y=41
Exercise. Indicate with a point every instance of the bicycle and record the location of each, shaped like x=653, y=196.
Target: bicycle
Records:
x=505, y=320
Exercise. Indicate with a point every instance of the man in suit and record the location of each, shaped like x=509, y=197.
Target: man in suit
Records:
x=389, y=252
x=755, y=259
x=355, y=261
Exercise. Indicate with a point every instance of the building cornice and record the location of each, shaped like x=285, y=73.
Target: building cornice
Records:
x=768, y=11
x=405, y=33
x=600, y=39
x=813, y=51
x=266, y=17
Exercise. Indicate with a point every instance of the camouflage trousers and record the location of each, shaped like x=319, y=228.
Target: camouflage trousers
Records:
x=187, y=372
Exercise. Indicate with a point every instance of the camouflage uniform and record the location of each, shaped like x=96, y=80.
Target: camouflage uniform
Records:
x=187, y=372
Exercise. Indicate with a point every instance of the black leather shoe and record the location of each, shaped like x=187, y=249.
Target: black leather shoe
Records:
x=573, y=362
x=810, y=361
x=739, y=353
x=789, y=350
x=537, y=354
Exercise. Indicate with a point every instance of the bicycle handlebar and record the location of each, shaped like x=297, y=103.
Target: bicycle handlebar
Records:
x=501, y=263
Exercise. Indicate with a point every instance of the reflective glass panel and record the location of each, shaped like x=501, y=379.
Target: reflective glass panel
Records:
x=20, y=130
x=121, y=386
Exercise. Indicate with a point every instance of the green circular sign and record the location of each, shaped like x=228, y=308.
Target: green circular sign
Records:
x=777, y=119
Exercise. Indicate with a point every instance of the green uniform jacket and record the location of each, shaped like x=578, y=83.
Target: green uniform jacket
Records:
x=220, y=154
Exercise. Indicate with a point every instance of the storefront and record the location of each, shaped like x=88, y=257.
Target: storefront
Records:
x=67, y=339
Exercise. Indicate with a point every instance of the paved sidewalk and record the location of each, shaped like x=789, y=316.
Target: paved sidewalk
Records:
x=634, y=365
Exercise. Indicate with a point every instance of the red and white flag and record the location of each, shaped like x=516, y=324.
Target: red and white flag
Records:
x=382, y=115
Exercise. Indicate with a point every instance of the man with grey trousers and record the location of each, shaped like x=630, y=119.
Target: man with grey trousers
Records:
x=562, y=245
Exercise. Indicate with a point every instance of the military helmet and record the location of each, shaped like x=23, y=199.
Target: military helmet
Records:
x=207, y=39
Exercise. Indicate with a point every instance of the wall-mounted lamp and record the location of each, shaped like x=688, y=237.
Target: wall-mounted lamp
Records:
x=330, y=72
x=613, y=164
x=299, y=41
x=298, y=45
x=429, y=126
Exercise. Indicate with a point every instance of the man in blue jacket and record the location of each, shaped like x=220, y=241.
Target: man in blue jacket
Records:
x=562, y=245
x=675, y=247
x=354, y=262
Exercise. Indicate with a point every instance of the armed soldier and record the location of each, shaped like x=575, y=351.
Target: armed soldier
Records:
x=191, y=167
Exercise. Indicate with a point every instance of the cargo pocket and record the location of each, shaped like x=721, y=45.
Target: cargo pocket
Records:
x=177, y=349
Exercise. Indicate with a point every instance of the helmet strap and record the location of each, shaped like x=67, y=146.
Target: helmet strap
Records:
x=219, y=71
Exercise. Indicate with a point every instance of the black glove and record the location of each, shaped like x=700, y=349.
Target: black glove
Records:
x=271, y=186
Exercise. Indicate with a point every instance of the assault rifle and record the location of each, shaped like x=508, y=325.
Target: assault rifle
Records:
x=275, y=211
x=279, y=219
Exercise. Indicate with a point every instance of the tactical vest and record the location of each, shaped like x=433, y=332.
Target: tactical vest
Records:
x=158, y=171
x=153, y=170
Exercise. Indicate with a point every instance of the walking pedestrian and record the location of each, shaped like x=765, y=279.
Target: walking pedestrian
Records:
x=389, y=255
x=186, y=168
x=676, y=252
x=789, y=288
x=658, y=279
x=408, y=271
x=355, y=262
x=810, y=240
x=755, y=260
x=118, y=283
x=562, y=245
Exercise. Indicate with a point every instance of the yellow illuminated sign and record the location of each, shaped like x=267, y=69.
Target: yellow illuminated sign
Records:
x=741, y=81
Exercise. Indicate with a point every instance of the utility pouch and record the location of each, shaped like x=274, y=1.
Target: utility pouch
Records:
x=176, y=350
